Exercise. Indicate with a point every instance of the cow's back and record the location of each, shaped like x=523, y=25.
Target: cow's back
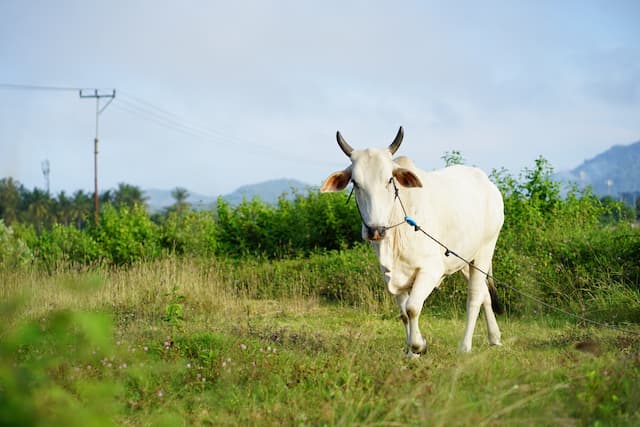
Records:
x=458, y=205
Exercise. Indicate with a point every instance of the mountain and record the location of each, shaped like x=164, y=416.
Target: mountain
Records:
x=267, y=191
x=613, y=172
x=160, y=199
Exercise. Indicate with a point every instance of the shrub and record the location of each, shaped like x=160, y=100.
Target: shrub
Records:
x=289, y=229
x=14, y=252
x=127, y=235
x=65, y=245
x=192, y=232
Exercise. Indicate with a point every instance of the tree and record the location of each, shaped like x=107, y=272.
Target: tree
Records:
x=616, y=211
x=38, y=208
x=127, y=195
x=9, y=199
x=539, y=186
x=180, y=196
x=105, y=198
x=453, y=157
x=63, y=209
x=82, y=206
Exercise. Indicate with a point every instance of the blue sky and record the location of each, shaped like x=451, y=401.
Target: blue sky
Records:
x=211, y=95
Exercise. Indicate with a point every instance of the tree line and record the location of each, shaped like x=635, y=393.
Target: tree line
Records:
x=39, y=208
x=58, y=229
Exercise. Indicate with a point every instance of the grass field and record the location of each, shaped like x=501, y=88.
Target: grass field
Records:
x=177, y=342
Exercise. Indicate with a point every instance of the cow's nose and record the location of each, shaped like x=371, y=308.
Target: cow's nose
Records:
x=376, y=233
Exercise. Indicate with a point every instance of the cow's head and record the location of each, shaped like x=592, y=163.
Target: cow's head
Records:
x=371, y=172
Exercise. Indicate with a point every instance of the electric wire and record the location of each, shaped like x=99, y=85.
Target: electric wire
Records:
x=17, y=86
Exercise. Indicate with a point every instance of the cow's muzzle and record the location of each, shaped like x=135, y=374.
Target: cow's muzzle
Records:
x=376, y=233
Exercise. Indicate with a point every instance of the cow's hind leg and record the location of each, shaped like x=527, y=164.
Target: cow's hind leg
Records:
x=489, y=311
x=478, y=296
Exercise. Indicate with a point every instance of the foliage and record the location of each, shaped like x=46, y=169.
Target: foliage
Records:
x=189, y=232
x=453, y=157
x=14, y=252
x=571, y=249
x=277, y=314
x=128, y=196
x=292, y=228
x=127, y=235
x=36, y=355
x=62, y=246
x=175, y=308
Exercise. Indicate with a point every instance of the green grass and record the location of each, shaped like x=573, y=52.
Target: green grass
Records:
x=180, y=342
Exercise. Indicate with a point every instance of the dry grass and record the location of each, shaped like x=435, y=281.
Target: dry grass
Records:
x=298, y=360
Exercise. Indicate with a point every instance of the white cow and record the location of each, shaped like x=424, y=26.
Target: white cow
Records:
x=457, y=205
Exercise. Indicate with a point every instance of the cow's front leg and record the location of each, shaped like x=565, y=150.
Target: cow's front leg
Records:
x=402, y=299
x=423, y=285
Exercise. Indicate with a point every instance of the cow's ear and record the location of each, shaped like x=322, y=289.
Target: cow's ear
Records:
x=337, y=181
x=406, y=178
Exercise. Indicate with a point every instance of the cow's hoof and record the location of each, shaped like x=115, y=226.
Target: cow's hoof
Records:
x=419, y=349
x=411, y=355
x=495, y=340
x=464, y=348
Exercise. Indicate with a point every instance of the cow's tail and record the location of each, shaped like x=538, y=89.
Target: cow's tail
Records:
x=496, y=305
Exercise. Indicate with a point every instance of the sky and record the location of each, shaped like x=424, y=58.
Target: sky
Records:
x=213, y=95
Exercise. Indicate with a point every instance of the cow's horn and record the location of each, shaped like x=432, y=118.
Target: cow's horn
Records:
x=343, y=144
x=397, y=141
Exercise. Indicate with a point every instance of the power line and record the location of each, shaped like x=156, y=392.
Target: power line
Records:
x=163, y=117
x=38, y=87
x=146, y=110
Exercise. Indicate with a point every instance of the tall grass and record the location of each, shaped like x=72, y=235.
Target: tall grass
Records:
x=183, y=341
x=268, y=315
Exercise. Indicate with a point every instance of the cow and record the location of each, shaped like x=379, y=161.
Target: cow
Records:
x=458, y=206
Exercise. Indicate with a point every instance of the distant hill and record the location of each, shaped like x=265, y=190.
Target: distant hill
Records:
x=160, y=199
x=612, y=172
x=268, y=192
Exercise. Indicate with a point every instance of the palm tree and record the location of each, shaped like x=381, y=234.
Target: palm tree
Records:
x=181, y=205
x=129, y=196
x=63, y=209
x=9, y=199
x=38, y=208
x=82, y=206
x=105, y=198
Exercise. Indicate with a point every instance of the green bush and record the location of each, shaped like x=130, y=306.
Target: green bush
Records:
x=557, y=250
x=14, y=252
x=289, y=229
x=65, y=245
x=192, y=233
x=126, y=235
x=36, y=360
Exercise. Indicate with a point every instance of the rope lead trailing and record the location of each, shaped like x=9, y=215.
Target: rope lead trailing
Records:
x=412, y=222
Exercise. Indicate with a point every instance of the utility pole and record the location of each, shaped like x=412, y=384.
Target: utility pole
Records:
x=45, y=171
x=85, y=93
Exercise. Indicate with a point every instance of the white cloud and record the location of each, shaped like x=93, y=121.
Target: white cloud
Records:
x=270, y=83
